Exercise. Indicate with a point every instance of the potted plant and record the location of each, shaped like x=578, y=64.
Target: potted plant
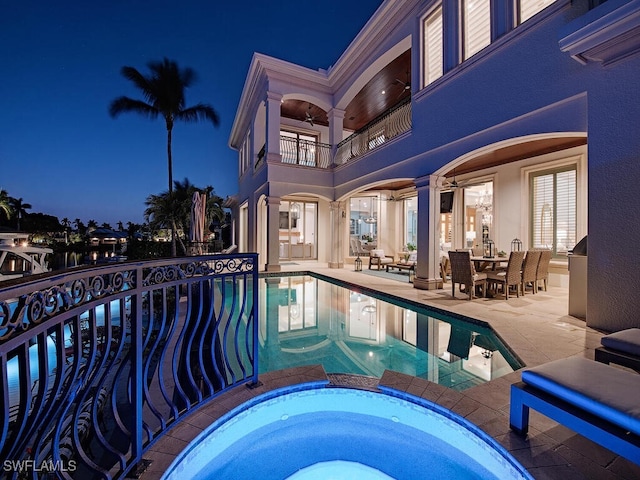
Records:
x=411, y=247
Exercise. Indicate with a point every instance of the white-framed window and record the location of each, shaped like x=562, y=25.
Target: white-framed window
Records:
x=476, y=26
x=528, y=8
x=244, y=154
x=432, y=46
x=553, y=209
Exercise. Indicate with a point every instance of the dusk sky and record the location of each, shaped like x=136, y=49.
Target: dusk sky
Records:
x=61, y=151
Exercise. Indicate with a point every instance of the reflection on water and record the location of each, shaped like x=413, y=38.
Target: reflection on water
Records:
x=305, y=320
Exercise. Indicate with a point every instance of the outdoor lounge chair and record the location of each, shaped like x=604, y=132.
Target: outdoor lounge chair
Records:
x=595, y=400
x=621, y=348
x=379, y=259
x=463, y=273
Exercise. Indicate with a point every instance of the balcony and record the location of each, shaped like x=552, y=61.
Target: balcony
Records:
x=298, y=151
x=308, y=153
x=391, y=124
x=99, y=363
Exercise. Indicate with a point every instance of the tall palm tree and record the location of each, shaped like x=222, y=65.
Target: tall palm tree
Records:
x=164, y=95
x=19, y=209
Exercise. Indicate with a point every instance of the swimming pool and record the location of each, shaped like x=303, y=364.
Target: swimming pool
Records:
x=307, y=320
x=311, y=432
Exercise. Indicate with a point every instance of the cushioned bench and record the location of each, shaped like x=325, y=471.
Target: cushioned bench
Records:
x=598, y=401
x=622, y=348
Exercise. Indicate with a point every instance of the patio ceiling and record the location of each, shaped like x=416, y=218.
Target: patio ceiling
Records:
x=368, y=104
x=499, y=156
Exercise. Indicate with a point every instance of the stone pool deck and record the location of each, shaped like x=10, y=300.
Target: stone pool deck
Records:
x=536, y=327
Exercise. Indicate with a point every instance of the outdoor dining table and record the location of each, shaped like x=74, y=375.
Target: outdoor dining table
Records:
x=488, y=261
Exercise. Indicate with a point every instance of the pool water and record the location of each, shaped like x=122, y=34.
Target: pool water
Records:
x=306, y=320
x=311, y=432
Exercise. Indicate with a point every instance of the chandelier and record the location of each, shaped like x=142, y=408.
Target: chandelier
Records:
x=485, y=201
x=370, y=219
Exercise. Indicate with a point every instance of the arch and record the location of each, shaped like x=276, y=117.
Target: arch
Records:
x=306, y=97
x=383, y=60
x=509, y=142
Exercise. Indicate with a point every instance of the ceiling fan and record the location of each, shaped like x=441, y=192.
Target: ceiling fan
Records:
x=452, y=184
x=406, y=86
x=308, y=117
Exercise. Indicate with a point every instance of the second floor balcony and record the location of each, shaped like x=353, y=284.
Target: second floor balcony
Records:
x=297, y=150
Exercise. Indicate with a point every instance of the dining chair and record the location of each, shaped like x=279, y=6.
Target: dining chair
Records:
x=542, y=272
x=529, y=269
x=463, y=273
x=511, y=277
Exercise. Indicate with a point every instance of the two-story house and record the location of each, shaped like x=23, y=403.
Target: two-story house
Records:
x=448, y=123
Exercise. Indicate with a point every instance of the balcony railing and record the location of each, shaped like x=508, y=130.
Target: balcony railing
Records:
x=381, y=130
x=305, y=152
x=97, y=364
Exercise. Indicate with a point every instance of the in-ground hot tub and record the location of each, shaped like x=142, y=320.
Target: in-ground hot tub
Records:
x=312, y=432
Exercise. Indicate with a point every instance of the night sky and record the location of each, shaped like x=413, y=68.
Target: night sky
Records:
x=61, y=151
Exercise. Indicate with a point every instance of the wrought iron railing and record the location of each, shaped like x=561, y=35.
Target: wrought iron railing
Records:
x=96, y=364
x=305, y=152
x=378, y=132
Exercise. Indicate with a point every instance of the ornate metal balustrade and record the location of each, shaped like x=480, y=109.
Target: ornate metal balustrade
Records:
x=305, y=152
x=383, y=129
x=98, y=363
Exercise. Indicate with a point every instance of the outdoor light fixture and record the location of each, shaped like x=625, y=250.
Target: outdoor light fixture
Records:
x=295, y=210
x=516, y=245
x=369, y=309
x=489, y=248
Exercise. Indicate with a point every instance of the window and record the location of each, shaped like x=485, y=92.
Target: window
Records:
x=244, y=154
x=363, y=223
x=432, y=48
x=553, y=210
x=476, y=25
x=411, y=221
x=528, y=8
x=298, y=148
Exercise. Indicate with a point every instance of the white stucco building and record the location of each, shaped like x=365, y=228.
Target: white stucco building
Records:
x=446, y=122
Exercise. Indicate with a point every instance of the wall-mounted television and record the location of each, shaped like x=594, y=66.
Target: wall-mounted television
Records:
x=446, y=202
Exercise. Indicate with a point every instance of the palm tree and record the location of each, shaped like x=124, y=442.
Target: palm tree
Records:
x=164, y=94
x=19, y=209
x=5, y=203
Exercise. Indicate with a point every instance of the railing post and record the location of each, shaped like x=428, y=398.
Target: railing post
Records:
x=256, y=325
x=136, y=370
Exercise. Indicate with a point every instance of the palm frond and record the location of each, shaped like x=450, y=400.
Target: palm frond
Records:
x=140, y=81
x=200, y=111
x=126, y=104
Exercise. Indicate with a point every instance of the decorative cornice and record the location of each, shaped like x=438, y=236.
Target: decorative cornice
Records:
x=606, y=34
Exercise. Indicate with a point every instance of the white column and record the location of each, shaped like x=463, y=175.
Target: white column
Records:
x=273, y=102
x=273, y=234
x=338, y=219
x=427, y=269
x=336, y=129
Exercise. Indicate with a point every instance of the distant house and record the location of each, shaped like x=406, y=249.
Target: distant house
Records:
x=106, y=236
x=447, y=124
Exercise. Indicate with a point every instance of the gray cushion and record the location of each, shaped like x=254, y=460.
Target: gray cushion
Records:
x=608, y=392
x=627, y=341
